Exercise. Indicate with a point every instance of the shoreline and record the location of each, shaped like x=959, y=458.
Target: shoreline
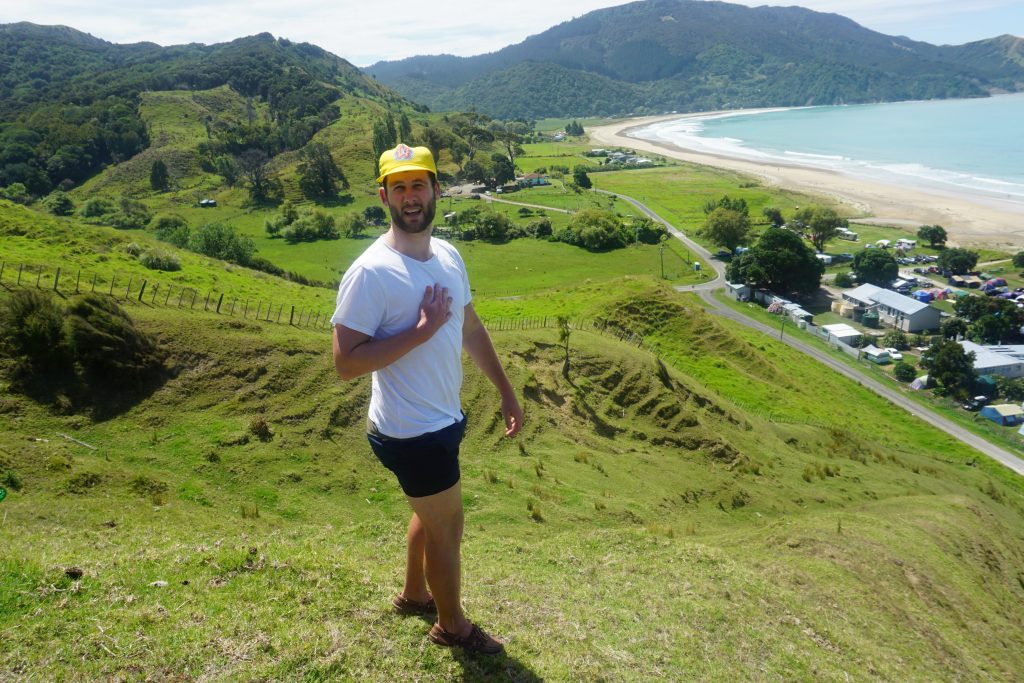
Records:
x=968, y=219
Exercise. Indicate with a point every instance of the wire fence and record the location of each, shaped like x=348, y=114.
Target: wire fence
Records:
x=150, y=292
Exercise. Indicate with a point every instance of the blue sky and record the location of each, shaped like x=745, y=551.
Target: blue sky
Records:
x=364, y=32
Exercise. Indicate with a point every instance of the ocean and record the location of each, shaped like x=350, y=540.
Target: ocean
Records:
x=973, y=147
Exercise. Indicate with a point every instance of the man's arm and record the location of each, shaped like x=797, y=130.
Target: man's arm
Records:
x=478, y=345
x=357, y=354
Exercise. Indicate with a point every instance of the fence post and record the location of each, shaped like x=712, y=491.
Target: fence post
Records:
x=317, y=320
x=245, y=312
x=291, y=316
x=112, y=281
x=207, y=302
x=220, y=301
x=143, y=289
x=233, y=299
x=258, y=305
x=20, y=266
x=2, y=264
x=168, y=295
x=77, y=279
x=39, y=275
x=156, y=288
x=56, y=279
x=93, y=282
x=128, y=288
x=270, y=307
x=180, y=296
x=279, y=312
x=193, y=304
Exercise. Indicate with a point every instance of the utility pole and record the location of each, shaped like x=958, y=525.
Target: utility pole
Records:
x=661, y=251
x=783, y=328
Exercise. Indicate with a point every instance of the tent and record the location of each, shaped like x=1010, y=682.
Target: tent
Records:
x=923, y=295
x=920, y=383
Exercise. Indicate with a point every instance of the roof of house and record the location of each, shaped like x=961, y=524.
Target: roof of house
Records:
x=841, y=330
x=988, y=357
x=1004, y=409
x=873, y=294
x=872, y=350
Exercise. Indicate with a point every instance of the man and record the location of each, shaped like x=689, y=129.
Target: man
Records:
x=404, y=314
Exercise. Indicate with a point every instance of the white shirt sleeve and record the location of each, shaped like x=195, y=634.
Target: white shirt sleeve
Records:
x=360, y=304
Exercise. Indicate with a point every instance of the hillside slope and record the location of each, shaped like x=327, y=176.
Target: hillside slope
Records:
x=691, y=509
x=687, y=55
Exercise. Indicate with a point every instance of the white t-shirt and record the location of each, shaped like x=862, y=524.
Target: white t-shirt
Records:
x=380, y=295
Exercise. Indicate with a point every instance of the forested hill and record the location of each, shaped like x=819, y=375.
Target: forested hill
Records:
x=69, y=101
x=687, y=55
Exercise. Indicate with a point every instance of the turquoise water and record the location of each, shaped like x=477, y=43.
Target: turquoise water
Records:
x=973, y=146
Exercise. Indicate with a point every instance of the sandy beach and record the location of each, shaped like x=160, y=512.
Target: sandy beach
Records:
x=976, y=220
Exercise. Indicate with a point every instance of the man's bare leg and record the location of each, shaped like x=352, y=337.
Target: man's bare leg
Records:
x=415, y=562
x=441, y=518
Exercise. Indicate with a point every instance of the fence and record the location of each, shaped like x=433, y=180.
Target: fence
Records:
x=153, y=293
x=150, y=292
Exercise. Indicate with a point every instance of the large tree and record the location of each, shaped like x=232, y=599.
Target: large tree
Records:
x=957, y=261
x=951, y=366
x=159, y=179
x=821, y=224
x=779, y=261
x=726, y=228
x=935, y=234
x=510, y=134
x=875, y=266
x=253, y=164
x=319, y=175
x=472, y=128
x=580, y=177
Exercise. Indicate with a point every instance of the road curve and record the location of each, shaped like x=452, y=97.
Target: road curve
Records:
x=706, y=292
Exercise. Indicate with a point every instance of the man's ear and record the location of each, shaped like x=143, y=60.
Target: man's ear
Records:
x=383, y=195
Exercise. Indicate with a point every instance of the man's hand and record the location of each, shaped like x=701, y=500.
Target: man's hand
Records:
x=434, y=309
x=513, y=414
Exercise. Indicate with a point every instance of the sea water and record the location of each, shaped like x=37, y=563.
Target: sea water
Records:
x=971, y=146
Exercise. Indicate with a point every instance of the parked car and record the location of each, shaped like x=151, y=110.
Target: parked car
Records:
x=894, y=353
x=976, y=403
x=722, y=254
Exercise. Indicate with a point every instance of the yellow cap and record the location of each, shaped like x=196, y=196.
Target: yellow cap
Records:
x=405, y=158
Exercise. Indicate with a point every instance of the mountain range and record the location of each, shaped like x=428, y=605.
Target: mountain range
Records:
x=655, y=56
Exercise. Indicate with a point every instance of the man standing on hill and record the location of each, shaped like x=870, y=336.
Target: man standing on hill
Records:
x=404, y=314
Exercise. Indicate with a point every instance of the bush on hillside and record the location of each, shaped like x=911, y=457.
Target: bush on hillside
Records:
x=96, y=207
x=218, y=240
x=311, y=226
x=59, y=204
x=32, y=333
x=131, y=215
x=158, y=259
x=17, y=193
x=594, y=230
x=844, y=279
x=904, y=372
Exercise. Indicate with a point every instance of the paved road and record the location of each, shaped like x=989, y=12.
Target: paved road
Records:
x=706, y=292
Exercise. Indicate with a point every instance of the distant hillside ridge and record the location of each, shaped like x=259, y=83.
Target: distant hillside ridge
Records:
x=689, y=55
x=69, y=102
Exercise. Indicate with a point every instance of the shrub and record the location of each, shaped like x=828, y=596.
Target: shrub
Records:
x=844, y=279
x=96, y=207
x=16, y=192
x=131, y=215
x=32, y=332
x=260, y=428
x=168, y=222
x=158, y=259
x=218, y=240
x=540, y=228
x=59, y=204
x=904, y=372
x=12, y=480
x=133, y=249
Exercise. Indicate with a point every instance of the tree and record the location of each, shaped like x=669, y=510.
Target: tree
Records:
x=374, y=215
x=159, y=179
x=382, y=141
x=737, y=205
x=404, y=127
x=319, y=175
x=774, y=216
x=593, y=229
x=875, y=266
x=227, y=168
x=726, y=228
x=949, y=365
x=1018, y=259
x=472, y=128
x=895, y=339
x=821, y=223
x=952, y=328
x=253, y=164
x=779, y=261
x=957, y=261
x=935, y=234
x=580, y=177
x=647, y=231
x=510, y=135
x=502, y=169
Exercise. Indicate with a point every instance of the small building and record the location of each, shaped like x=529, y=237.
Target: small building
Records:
x=739, y=291
x=846, y=234
x=841, y=332
x=532, y=180
x=207, y=203
x=896, y=310
x=905, y=244
x=824, y=258
x=1005, y=414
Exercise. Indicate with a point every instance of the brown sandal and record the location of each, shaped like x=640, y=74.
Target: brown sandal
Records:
x=406, y=607
x=476, y=640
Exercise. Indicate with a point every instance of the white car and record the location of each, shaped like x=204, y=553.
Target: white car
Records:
x=894, y=353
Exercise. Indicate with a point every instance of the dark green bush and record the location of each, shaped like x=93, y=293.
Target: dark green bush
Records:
x=158, y=259
x=32, y=332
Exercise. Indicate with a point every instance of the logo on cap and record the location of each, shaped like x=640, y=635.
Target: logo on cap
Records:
x=403, y=153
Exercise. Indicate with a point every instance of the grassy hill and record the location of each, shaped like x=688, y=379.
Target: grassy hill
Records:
x=686, y=509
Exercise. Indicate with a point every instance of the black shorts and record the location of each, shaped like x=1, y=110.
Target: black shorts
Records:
x=424, y=464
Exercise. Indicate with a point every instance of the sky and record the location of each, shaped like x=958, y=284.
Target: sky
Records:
x=364, y=33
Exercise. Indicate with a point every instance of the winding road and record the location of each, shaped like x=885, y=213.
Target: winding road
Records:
x=706, y=292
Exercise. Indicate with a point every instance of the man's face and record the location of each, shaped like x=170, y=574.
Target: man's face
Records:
x=412, y=200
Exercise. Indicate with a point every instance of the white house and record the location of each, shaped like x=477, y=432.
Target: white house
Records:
x=1007, y=361
x=902, y=312
x=841, y=332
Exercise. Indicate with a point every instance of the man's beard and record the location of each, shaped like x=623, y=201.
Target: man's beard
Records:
x=427, y=211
